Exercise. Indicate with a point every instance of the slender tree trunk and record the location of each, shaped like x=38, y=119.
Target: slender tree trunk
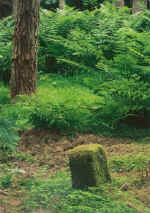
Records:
x=24, y=69
x=120, y=3
x=14, y=8
x=61, y=4
x=136, y=5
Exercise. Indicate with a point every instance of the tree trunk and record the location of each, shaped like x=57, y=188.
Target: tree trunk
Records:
x=14, y=6
x=61, y=4
x=24, y=69
x=120, y=3
x=136, y=5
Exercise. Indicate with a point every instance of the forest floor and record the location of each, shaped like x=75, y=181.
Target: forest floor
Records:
x=42, y=153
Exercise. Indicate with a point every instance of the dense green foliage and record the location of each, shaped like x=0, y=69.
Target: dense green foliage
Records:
x=5, y=48
x=8, y=135
x=106, y=51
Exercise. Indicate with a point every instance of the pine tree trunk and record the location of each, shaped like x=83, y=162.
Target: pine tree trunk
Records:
x=136, y=5
x=14, y=10
x=61, y=4
x=120, y=3
x=24, y=69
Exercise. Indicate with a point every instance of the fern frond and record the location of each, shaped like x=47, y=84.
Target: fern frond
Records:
x=8, y=135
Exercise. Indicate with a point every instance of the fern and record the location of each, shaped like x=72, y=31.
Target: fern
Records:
x=8, y=135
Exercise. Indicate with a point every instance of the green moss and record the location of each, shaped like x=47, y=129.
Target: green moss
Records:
x=86, y=148
x=88, y=165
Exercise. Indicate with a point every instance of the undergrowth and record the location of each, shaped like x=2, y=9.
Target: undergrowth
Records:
x=68, y=104
x=65, y=199
x=104, y=54
x=56, y=195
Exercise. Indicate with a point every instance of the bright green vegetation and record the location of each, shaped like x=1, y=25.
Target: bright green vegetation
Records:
x=66, y=104
x=8, y=135
x=94, y=76
x=94, y=70
x=70, y=201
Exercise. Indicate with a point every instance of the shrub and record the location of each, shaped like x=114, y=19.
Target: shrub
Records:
x=79, y=40
x=69, y=41
x=8, y=135
x=19, y=112
x=63, y=104
x=63, y=117
x=6, y=181
x=122, y=98
x=141, y=22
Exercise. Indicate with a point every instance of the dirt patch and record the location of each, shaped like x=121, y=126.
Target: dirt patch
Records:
x=51, y=147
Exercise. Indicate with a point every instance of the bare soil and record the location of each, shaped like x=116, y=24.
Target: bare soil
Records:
x=51, y=147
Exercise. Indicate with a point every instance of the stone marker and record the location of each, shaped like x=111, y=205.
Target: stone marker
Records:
x=88, y=165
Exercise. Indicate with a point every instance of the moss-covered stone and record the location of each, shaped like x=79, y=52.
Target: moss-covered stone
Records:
x=88, y=165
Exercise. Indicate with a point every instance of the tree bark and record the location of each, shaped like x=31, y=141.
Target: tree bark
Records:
x=120, y=3
x=136, y=5
x=24, y=69
x=14, y=10
x=61, y=4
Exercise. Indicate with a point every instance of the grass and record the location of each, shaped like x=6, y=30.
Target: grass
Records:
x=59, y=195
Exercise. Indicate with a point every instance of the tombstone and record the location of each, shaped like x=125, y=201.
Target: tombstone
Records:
x=88, y=165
